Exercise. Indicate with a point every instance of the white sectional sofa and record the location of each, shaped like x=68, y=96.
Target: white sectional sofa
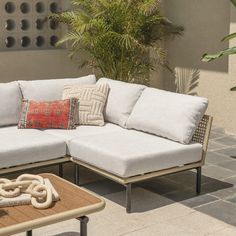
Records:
x=28, y=148
x=148, y=133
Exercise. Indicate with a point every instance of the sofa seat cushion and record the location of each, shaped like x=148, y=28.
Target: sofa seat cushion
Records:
x=19, y=147
x=128, y=153
x=83, y=131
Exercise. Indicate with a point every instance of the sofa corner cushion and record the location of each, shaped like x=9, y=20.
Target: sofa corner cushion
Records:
x=50, y=90
x=121, y=100
x=167, y=114
x=10, y=103
x=20, y=147
x=83, y=131
x=128, y=153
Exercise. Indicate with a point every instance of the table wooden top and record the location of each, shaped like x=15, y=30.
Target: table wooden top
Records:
x=74, y=202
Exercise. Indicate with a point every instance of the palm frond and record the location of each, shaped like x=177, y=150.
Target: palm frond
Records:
x=229, y=37
x=118, y=35
x=186, y=80
x=149, y=7
x=70, y=36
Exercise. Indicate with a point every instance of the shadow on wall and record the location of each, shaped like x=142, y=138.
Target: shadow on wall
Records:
x=205, y=22
x=233, y=14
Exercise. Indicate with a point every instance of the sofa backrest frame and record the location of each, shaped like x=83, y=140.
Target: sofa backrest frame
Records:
x=201, y=136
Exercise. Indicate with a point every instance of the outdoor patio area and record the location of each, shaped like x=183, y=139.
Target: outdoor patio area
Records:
x=166, y=205
x=117, y=118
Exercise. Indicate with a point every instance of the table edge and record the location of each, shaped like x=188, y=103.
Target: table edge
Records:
x=57, y=217
x=48, y=220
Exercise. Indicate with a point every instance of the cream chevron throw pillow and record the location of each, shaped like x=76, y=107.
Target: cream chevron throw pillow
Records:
x=92, y=99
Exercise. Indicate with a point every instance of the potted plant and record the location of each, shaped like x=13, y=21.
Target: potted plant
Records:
x=226, y=52
x=118, y=36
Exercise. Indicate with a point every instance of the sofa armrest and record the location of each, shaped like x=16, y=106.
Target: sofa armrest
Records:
x=202, y=133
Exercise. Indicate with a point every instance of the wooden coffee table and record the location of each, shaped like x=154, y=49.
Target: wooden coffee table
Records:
x=74, y=202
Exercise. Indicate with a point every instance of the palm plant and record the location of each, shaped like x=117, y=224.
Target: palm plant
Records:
x=117, y=36
x=226, y=52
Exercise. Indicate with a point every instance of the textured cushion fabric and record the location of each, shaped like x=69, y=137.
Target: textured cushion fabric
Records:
x=121, y=100
x=10, y=103
x=92, y=99
x=61, y=114
x=128, y=153
x=171, y=115
x=50, y=90
x=19, y=147
x=83, y=131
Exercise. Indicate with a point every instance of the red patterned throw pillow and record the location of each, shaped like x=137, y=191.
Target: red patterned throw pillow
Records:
x=49, y=115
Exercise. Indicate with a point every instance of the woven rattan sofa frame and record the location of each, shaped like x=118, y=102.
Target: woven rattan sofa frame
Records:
x=201, y=136
x=31, y=166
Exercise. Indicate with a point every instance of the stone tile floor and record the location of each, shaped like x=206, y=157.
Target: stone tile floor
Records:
x=168, y=205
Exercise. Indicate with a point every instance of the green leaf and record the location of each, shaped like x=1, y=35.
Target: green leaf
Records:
x=233, y=89
x=229, y=37
x=116, y=36
x=233, y=2
x=210, y=57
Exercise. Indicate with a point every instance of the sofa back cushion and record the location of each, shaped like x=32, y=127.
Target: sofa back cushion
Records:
x=170, y=115
x=121, y=100
x=51, y=90
x=10, y=103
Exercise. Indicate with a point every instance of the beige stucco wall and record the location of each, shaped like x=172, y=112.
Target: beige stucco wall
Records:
x=40, y=64
x=205, y=22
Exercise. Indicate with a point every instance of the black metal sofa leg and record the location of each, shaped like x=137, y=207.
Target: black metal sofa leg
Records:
x=76, y=174
x=128, y=197
x=199, y=180
x=60, y=171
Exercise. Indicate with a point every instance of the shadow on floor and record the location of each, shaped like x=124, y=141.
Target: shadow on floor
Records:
x=218, y=198
x=68, y=234
x=163, y=191
x=3, y=213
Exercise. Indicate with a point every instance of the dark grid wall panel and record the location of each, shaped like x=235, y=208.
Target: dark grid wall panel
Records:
x=24, y=24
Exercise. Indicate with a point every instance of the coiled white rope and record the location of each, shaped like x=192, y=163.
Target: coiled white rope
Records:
x=41, y=194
